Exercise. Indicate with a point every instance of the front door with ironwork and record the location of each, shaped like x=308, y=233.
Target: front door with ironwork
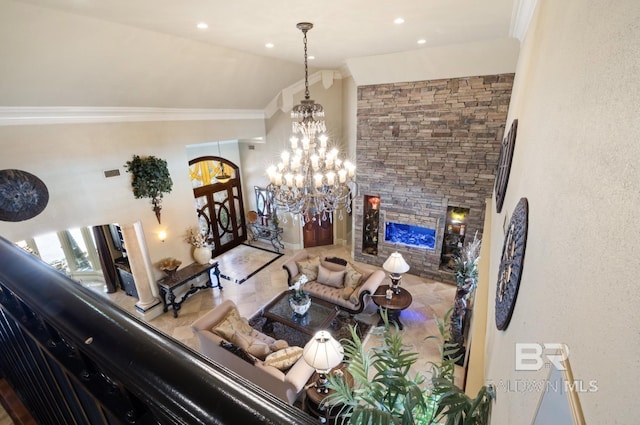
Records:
x=218, y=193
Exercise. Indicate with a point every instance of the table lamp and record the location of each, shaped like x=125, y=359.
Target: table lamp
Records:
x=323, y=353
x=395, y=265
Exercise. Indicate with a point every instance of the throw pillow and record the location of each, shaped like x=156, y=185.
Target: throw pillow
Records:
x=278, y=344
x=251, y=345
x=231, y=324
x=352, y=277
x=354, y=296
x=346, y=293
x=238, y=352
x=309, y=267
x=330, y=278
x=285, y=358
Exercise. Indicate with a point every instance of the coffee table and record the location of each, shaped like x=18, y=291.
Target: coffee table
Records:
x=319, y=316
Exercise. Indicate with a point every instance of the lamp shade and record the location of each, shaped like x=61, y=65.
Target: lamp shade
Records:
x=396, y=264
x=323, y=352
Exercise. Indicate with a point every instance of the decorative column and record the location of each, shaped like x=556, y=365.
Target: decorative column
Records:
x=140, y=265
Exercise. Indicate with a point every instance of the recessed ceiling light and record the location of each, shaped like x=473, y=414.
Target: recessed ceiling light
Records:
x=311, y=58
x=269, y=45
x=422, y=41
x=202, y=26
x=398, y=21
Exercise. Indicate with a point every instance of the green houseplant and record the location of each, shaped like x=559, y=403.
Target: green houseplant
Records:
x=384, y=392
x=150, y=179
x=466, y=274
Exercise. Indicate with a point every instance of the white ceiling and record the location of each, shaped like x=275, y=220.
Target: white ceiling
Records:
x=343, y=29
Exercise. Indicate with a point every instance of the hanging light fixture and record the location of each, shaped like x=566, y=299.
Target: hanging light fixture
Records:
x=221, y=176
x=311, y=182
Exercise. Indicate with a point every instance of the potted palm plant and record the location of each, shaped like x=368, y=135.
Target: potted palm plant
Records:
x=466, y=274
x=384, y=392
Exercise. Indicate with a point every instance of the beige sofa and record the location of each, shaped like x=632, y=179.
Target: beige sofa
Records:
x=335, y=280
x=208, y=328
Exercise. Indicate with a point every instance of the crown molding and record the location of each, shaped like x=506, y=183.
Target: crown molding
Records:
x=44, y=115
x=28, y=115
x=521, y=18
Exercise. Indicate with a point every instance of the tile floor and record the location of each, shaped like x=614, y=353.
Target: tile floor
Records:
x=431, y=299
x=4, y=417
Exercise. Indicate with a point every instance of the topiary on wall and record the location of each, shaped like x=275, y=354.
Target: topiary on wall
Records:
x=150, y=179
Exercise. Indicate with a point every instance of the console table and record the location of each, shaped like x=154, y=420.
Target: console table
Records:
x=168, y=284
x=270, y=232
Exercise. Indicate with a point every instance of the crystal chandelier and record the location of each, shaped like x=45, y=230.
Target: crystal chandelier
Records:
x=311, y=182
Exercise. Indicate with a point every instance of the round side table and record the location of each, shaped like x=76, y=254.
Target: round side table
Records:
x=314, y=401
x=393, y=306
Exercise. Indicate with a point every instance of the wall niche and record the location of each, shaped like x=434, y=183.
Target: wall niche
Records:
x=370, y=225
x=454, y=233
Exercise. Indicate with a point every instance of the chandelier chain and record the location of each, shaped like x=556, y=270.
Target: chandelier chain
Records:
x=306, y=67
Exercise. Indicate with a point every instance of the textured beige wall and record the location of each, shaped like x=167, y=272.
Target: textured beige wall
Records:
x=576, y=96
x=71, y=159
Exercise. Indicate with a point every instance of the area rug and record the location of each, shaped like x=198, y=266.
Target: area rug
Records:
x=242, y=262
x=339, y=329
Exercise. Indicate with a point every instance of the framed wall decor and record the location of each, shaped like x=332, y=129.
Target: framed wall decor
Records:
x=504, y=165
x=510, y=272
x=22, y=195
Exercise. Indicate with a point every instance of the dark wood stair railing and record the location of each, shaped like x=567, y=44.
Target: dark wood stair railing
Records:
x=76, y=358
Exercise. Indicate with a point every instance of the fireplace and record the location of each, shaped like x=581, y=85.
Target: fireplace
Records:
x=422, y=147
x=410, y=235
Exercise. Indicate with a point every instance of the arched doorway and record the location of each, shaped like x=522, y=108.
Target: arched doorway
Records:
x=218, y=201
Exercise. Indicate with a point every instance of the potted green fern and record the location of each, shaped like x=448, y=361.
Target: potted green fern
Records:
x=150, y=179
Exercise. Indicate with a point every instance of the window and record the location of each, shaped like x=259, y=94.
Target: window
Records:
x=71, y=251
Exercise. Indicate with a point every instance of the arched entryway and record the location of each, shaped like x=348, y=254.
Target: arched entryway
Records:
x=218, y=193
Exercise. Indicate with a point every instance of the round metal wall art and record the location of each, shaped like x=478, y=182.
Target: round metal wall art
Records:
x=22, y=195
x=510, y=272
x=504, y=165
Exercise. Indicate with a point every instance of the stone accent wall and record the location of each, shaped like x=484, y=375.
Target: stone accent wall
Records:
x=423, y=146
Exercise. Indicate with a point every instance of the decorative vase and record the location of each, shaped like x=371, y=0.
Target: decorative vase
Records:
x=300, y=306
x=202, y=255
x=171, y=273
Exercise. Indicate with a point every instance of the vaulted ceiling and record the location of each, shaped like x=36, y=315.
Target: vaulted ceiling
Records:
x=150, y=52
x=343, y=29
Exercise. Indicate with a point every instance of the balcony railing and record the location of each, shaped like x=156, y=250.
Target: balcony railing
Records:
x=76, y=358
